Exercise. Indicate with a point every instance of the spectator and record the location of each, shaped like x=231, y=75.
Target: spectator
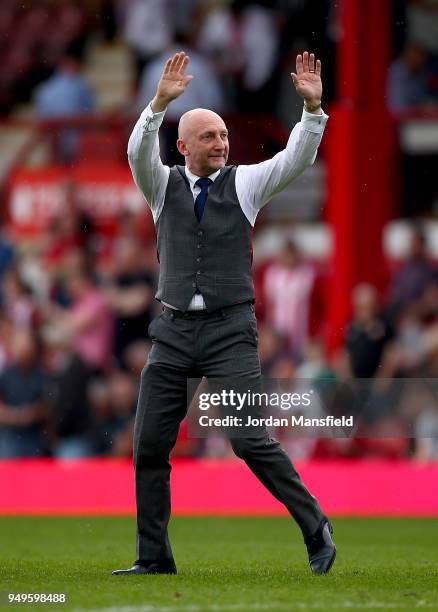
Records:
x=147, y=29
x=417, y=344
x=123, y=399
x=6, y=253
x=64, y=95
x=244, y=41
x=271, y=347
x=5, y=340
x=99, y=402
x=34, y=36
x=135, y=356
x=315, y=366
x=23, y=410
x=134, y=226
x=371, y=353
x=422, y=23
x=88, y=322
x=415, y=275
x=410, y=82
x=130, y=295
x=113, y=402
x=67, y=34
x=368, y=335
x=69, y=377
x=71, y=227
x=17, y=302
x=287, y=288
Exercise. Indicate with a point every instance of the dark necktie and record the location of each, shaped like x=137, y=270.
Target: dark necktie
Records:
x=204, y=184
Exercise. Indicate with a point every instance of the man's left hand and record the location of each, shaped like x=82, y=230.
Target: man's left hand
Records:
x=307, y=81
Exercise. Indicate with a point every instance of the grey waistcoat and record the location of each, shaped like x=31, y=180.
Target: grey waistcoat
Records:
x=213, y=256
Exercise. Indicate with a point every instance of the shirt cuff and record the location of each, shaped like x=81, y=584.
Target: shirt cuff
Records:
x=151, y=121
x=314, y=123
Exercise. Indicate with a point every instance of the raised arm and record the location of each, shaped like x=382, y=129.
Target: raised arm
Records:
x=307, y=81
x=257, y=183
x=149, y=173
x=172, y=83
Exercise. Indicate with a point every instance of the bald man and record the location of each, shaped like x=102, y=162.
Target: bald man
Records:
x=204, y=213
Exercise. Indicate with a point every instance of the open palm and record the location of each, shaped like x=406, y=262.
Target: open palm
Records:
x=307, y=79
x=174, y=79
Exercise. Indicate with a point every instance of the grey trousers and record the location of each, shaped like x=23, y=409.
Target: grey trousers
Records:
x=221, y=344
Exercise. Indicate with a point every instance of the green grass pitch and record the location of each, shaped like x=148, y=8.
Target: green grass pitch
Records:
x=225, y=564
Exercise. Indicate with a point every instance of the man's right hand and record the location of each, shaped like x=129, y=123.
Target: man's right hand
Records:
x=172, y=83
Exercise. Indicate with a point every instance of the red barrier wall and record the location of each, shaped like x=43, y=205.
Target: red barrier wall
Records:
x=104, y=191
x=373, y=488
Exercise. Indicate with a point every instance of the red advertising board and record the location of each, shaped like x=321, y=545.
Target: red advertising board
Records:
x=217, y=487
x=36, y=196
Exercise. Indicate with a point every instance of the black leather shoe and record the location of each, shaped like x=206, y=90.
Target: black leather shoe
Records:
x=321, y=548
x=150, y=567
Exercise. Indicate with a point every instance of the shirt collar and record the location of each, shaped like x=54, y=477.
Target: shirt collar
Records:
x=193, y=178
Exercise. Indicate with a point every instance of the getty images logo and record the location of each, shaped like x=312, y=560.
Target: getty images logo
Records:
x=239, y=400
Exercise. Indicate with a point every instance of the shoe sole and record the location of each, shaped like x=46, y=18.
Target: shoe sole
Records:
x=329, y=567
x=334, y=552
x=332, y=560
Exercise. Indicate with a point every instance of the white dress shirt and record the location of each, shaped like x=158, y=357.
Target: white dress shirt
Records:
x=255, y=184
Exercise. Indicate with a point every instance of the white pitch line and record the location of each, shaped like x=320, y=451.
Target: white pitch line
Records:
x=347, y=605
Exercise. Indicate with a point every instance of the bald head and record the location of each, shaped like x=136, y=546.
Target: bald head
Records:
x=203, y=140
x=196, y=117
x=365, y=302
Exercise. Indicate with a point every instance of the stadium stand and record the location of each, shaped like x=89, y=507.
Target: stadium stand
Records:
x=77, y=236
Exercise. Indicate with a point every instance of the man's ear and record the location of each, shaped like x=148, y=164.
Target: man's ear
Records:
x=182, y=147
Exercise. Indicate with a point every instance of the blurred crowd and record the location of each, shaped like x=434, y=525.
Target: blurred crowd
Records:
x=413, y=75
x=242, y=51
x=74, y=337
x=391, y=336
x=76, y=305
x=33, y=38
